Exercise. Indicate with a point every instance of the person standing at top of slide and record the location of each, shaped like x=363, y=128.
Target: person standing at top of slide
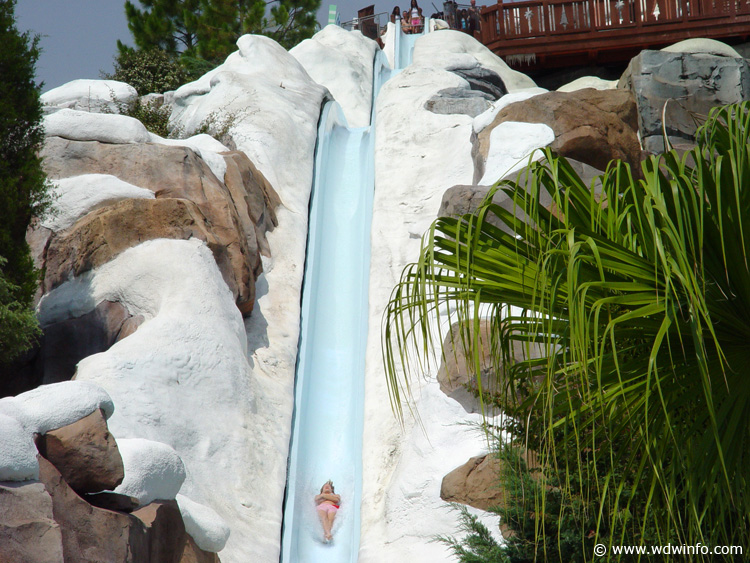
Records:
x=328, y=504
x=415, y=17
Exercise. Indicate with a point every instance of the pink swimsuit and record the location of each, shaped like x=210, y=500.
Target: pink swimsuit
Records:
x=326, y=507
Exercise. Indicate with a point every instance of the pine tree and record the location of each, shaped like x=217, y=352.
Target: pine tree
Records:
x=169, y=25
x=223, y=21
x=23, y=185
x=292, y=21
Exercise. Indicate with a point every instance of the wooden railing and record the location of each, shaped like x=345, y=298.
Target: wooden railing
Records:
x=557, y=26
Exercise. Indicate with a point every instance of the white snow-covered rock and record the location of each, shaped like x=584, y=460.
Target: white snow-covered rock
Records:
x=418, y=155
x=454, y=50
x=206, y=146
x=273, y=107
x=76, y=196
x=703, y=45
x=153, y=471
x=486, y=118
x=511, y=144
x=90, y=95
x=17, y=451
x=588, y=82
x=38, y=411
x=206, y=527
x=102, y=127
x=413, y=507
x=389, y=43
x=183, y=379
x=342, y=61
x=56, y=405
x=437, y=24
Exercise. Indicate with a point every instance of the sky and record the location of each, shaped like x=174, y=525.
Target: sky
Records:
x=79, y=37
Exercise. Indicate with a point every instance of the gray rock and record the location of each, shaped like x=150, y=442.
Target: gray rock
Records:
x=459, y=100
x=688, y=83
x=483, y=80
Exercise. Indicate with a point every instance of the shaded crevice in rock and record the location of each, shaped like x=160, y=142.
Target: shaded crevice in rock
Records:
x=483, y=80
x=477, y=157
x=66, y=343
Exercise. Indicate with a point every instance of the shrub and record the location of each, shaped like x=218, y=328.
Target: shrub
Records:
x=154, y=117
x=148, y=70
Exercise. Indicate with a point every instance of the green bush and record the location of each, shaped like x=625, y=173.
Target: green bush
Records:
x=154, y=117
x=149, y=70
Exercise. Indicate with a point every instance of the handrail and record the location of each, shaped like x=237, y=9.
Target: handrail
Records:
x=546, y=25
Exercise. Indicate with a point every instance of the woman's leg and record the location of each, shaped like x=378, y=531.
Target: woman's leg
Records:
x=323, y=515
x=331, y=516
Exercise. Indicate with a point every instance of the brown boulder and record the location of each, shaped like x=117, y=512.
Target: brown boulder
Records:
x=246, y=184
x=152, y=534
x=462, y=199
x=90, y=534
x=592, y=126
x=165, y=531
x=478, y=482
x=475, y=483
x=85, y=454
x=171, y=172
x=28, y=531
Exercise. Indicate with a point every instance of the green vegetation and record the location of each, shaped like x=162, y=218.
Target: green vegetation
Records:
x=639, y=297
x=154, y=117
x=23, y=185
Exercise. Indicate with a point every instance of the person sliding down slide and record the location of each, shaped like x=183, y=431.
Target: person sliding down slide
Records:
x=328, y=504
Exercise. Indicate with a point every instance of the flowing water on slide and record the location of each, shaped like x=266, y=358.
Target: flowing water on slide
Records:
x=329, y=390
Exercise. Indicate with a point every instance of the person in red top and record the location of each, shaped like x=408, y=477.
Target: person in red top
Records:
x=328, y=504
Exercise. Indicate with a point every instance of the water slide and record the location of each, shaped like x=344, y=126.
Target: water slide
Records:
x=328, y=421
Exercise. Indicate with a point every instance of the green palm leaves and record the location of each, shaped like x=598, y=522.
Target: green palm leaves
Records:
x=632, y=299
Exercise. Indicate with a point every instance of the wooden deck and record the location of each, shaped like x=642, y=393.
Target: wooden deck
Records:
x=561, y=33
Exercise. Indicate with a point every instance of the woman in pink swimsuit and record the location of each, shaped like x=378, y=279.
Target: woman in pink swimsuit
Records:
x=328, y=504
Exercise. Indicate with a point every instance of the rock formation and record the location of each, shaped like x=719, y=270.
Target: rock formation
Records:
x=688, y=83
x=49, y=512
